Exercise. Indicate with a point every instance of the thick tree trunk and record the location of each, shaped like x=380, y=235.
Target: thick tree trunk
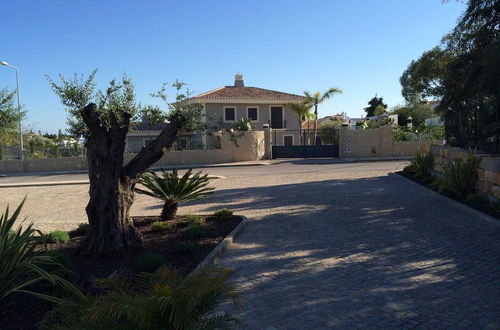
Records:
x=112, y=185
x=169, y=211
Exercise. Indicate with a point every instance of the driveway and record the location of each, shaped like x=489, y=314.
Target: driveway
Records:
x=334, y=245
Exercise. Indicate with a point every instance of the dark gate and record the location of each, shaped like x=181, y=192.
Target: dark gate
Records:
x=297, y=144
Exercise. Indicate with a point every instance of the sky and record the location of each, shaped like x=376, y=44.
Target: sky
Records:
x=359, y=46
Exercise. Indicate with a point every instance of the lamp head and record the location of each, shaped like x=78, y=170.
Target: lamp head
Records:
x=4, y=63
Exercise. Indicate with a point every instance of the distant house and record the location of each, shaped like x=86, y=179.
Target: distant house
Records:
x=142, y=134
x=222, y=107
x=263, y=107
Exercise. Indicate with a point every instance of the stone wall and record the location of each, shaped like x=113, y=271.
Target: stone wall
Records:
x=245, y=146
x=488, y=173
x=377, y=143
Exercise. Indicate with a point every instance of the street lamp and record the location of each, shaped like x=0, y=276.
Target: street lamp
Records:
x=19, y=111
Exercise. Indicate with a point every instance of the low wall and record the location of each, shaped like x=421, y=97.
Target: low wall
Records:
x=377, y=143
x=245, y=146
x=488, y=173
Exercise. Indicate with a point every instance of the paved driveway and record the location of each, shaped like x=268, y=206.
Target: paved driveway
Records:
x=334, y=245
x=374, y=252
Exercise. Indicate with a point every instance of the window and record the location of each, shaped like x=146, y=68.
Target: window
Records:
x=288, y=140
x=253, y=113
x=229, y=114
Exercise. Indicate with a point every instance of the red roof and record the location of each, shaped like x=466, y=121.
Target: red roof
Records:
x=248, y=93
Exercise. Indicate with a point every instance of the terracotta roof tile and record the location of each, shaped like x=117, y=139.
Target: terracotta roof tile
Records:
x=248, y=93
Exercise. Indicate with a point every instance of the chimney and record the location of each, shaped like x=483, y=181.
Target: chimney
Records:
x=238, y=80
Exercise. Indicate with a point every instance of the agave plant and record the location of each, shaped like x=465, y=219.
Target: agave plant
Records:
x=161, y=300
x=20, y=268
x=174, y=190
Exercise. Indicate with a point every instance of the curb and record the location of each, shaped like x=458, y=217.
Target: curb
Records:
x=374, y=159
x=68, y=183
x=471, y=211
x=219, y=250
x=167, y=167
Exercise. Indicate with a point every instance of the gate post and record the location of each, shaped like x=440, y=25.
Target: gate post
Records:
x=268, y=144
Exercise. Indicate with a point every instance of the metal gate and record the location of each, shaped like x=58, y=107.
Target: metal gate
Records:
x=299, y=144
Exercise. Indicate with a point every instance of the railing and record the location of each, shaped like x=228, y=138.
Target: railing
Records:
x=277, y=124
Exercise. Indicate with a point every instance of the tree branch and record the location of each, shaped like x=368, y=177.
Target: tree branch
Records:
x=155, y=150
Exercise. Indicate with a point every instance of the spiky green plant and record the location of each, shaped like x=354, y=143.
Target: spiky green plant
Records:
x=174, y=190
x=459, y=176
x=20, y=268
x=161, y=300
x=423, y=163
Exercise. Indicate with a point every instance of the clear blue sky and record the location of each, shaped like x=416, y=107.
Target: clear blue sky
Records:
x=360, y=46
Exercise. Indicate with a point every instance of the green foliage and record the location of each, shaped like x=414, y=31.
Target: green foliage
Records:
x=459, y=176
x=20, y=269
x=223, y=213
x=161, y=300
x=475, y=199
x=420, y=176
x=56, y=236
x=10, y=116
x=149, y=262
x=423, y=163
x=428, y=179
x=373, y=104
x=81, y=230
x=192, y=220
x=160, y=226
x=427, y=133
x=193, y=232
x=186, y=248
x=151, y=114
x=409, y=169
x=418, y=110
x=465, y=76
x=380, y=110
x=328, y=130
x=172, y=189
x=243, y=125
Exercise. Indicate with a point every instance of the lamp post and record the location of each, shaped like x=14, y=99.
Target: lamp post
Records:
x=19, y=111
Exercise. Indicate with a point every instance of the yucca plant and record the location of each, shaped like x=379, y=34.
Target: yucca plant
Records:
x=174, y=190
x=459, y=176
x=20, y=268
x=423, y=163
x=161, y=300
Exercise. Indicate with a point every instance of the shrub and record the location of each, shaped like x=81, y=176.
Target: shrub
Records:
x=243, y=125
x=189, y=220
x=149, y=262
x=428, y=179
x=459, y=176
x=174, y=190
x=186, y=248
x=409, y=169
x=56, y=236
x=81, y=230
x=475, y=199
x=194, y=231
x=223, y=213
x=423, y=163
x=20, y=268
x=162, y=300
x=160, y=226
x=420, y=176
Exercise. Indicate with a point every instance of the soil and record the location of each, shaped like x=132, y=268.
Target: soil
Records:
x=485, y=208
x=24, y=311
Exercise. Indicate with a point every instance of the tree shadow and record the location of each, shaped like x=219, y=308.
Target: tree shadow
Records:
x=372, y=252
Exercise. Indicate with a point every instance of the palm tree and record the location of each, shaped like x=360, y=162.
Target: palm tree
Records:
x=174, y=190
x=316, y=99
x=302, y=110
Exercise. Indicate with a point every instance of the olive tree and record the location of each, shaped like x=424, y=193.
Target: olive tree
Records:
x=106, y=117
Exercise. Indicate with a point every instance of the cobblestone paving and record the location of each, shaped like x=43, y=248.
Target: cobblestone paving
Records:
x=347, y=249
x=372, y=253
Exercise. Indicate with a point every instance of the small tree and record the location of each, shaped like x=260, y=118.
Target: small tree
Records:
x=9, y=117
x=106, y=118
x=173, y=190
x=315, y=99
x=373, y=104
x=327, y=130
x=302, y=110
